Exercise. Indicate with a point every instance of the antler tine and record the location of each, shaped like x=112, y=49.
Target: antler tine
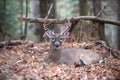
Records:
x=68, y=27
x=47, y=29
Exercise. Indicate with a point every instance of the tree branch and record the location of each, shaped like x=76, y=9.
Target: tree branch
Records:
x=49, y=11
x=103, y=9
x=58, y=21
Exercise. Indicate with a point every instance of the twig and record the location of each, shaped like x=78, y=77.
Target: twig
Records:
x=49, y=11
x=103, y=9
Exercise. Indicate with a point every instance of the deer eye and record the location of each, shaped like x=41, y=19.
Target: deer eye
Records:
x=53, y=39
x=61, y=39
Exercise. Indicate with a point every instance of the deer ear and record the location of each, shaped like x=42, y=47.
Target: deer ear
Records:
x=65, y=34
x=49, y=34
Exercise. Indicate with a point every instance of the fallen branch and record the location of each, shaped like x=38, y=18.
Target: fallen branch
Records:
x=103, y=43
x=60, y=21
x=10, y=43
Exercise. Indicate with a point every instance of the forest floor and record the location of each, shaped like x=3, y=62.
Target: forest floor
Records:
x=26, y=62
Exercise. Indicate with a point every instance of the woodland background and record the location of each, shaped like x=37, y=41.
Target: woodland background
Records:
x=11, y=27
x=25, y=61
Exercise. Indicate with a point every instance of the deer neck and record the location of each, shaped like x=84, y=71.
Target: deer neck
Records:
x=54, y=53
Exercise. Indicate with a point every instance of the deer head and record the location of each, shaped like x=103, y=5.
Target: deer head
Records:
x=57, y=38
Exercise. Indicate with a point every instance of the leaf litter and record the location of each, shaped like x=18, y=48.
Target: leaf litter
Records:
x=26, y=62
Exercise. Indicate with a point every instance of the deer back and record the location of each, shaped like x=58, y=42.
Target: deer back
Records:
x=72, y=56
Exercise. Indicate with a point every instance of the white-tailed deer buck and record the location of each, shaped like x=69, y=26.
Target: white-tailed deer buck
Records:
x=69, y=56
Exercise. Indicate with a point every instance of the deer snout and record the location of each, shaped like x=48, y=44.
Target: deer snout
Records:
x=57, y=43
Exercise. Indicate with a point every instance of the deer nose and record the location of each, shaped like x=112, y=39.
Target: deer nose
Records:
x=57, y=43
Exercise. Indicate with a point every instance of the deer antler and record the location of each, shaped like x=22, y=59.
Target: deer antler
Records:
x=47, y=29
x=68, y=25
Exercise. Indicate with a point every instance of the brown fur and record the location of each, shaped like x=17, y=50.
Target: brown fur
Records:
x=71, y=56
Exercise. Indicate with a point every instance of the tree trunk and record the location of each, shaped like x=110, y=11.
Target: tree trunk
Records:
x=112, y=31
x=4, y=19
x=83, y=7
x=83, y=11
x=21, y=15
x=118, y=28
x=26, y=15
x=35, y=10
x=100, y=26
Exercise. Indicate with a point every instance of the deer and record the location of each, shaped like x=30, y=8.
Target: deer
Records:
x=68, y=56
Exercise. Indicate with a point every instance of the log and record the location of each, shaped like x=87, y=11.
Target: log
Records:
x=61, y=21
x=11, y=43
x=114, y=53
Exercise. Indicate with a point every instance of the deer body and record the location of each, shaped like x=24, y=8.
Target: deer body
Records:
x=69, y=56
